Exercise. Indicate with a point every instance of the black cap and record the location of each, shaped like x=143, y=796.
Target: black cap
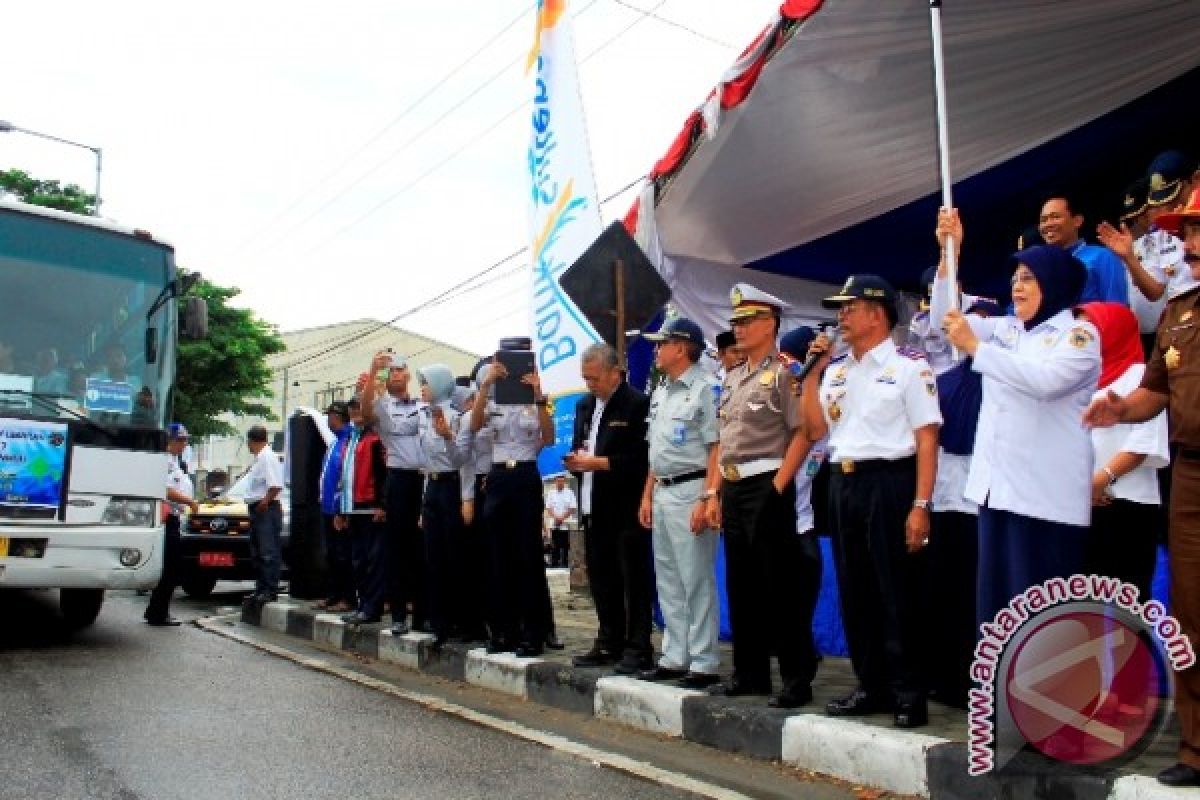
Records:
x=864, y=287
x=725, y=339
x=516, y=343
x=1166, y=175
x=1133, y=201
x=680, y=328
x=339, y=408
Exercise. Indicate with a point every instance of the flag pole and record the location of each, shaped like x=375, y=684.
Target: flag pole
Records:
x=943, y=134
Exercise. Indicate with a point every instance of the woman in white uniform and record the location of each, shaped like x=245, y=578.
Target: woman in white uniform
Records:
x=1031, y=470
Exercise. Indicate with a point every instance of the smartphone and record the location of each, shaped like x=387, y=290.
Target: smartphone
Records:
x=512, y=390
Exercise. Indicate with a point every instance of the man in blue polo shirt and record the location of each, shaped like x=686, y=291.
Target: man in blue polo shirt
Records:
x=1059, y=223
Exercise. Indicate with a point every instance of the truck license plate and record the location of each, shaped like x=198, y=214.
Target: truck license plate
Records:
x=216, y=559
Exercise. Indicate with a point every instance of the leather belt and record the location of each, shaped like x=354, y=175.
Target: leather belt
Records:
x=737, y=472
x=674, y=480
x=442, y=476
x=851, y=466
x=512, y=463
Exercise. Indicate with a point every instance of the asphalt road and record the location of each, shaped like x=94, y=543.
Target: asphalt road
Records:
x=126, y=711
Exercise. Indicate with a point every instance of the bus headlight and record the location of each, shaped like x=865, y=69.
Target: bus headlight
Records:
x=130, y=556
x=133, y=512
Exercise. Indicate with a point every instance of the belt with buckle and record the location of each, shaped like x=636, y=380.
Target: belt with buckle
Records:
x=441, y=476
x=674, y=480
x=749, y=469
x=850, y=466
x=512, y=463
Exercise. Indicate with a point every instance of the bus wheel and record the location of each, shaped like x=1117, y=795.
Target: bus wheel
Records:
x=80, y=607
x=200, y=587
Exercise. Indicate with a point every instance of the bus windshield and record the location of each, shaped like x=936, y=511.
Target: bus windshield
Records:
x=74, y=336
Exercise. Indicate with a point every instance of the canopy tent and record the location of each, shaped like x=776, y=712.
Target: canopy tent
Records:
x=816, y=155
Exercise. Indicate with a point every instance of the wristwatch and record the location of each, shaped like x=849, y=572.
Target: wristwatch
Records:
x=926, y=505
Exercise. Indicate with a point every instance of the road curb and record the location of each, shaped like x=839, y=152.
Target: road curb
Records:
x=899, y=761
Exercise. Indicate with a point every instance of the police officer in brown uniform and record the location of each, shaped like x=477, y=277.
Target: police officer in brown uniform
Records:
x=1172, y=381
x=772, y=574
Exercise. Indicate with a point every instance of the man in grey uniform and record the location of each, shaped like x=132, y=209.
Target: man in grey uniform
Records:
x=397, y=415
x=682, y=432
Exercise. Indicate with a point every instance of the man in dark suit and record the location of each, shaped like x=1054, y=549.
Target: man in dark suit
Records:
x=609, y=453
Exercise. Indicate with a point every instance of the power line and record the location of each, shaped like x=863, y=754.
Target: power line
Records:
x=404, y=147
x=675, y=24
x=454, y=292
x=413, y=106
x=477, y=138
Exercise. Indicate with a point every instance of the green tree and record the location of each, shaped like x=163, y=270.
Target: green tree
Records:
x=51, y=194
x=226, y=372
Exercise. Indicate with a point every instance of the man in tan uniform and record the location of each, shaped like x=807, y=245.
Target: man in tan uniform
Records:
x=1172, y=381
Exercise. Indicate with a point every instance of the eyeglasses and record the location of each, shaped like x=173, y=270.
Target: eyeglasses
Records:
x=850, y=307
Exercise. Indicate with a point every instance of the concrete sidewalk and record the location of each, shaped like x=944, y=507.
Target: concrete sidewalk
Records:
x=930, y=762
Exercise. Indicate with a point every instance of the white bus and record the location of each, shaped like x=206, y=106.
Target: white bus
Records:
x=87, y=366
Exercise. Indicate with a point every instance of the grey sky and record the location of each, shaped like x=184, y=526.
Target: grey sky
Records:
x=236, y=131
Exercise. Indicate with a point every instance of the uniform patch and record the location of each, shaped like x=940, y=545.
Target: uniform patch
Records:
x=931, y=388
x=1081, y=337
x=1172, y=358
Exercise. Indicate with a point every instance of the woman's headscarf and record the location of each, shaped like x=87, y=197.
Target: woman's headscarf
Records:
x=1120, y=345
x=440, y=380
x=1060, y=276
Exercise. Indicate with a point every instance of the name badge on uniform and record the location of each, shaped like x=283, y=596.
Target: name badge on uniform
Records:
x=679, y=434
x=1172, y=358
x=767, y=378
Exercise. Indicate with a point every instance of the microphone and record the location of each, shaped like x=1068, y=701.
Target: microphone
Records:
x=799, y=370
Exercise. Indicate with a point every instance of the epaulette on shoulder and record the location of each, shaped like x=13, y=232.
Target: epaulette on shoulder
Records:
x=912, y=353
x=838, y=359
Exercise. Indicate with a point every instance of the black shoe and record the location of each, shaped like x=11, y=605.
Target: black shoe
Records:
x=856, y=704
x=698, y=680
x=163, y=622
x=633, y=665
x=914, y=714
x=791, y=698
x=422, y=626
x=661, y=674
x=527, y=650
x=499, y=646
x=553, y=642
x=594, y=658
x=399, y=628
x=737, y=688
x=1180, y=775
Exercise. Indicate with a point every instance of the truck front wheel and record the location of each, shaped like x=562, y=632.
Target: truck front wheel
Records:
x=80, y=607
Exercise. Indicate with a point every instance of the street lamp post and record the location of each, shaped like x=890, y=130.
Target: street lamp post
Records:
x=8, y=127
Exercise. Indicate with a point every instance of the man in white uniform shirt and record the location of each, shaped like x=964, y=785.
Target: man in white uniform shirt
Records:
x=263, y=486
x=179, y=500
x=560, y=502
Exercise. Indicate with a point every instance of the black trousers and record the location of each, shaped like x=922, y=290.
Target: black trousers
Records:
x=619, y=562
x=159, y=606
x=406, y=546
x=772, y=579
x=948, y=613
x=512, y=511
x=368, y=553
x=266, y=553
x=560, y=538
x=880, y=580
x=441, y=520
x=475, y=562
x=1123, y=543
x=339, y=561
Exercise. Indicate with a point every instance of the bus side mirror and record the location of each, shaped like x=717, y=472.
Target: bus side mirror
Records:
x=195, y=318
x=151, y=350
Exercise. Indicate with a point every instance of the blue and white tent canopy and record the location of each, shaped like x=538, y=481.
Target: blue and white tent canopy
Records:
x=816, y=157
